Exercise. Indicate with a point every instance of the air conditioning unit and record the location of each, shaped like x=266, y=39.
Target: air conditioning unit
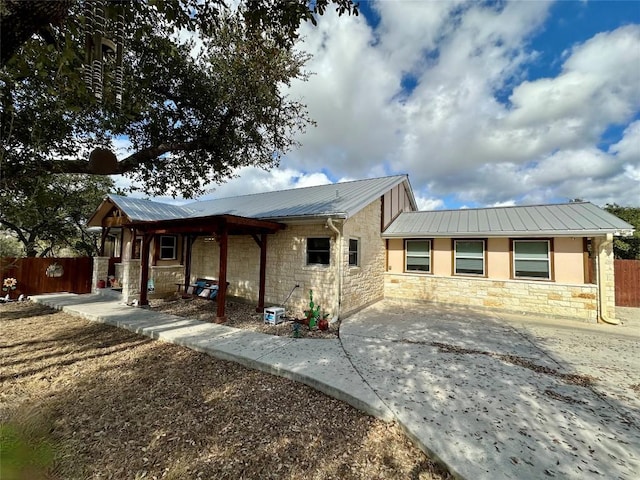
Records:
x=273, y=315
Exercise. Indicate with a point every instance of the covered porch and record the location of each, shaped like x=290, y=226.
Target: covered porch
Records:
x=217, y=227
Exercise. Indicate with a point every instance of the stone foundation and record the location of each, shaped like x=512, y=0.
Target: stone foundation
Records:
x=541, y=298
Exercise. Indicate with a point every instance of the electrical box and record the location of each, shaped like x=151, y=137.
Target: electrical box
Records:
x=273, y=315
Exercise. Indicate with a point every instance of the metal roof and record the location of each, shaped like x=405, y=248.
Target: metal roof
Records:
x=337, y=199
x=569, y=219
x=138, y=209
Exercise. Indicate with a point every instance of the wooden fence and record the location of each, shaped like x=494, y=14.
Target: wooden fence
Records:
x=48, y=275
x=627, y=283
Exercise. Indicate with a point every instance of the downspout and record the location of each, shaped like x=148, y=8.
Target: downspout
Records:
x=603, y=314
x=330, y=224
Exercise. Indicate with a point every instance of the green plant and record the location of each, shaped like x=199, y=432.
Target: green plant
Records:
x=313, y=314
x=26, y=448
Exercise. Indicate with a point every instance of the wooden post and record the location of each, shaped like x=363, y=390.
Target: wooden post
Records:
x=187, y=262
x=103, y=238
x=222, y=276
x=263, y=271
x=132, y=251
x=144, y=268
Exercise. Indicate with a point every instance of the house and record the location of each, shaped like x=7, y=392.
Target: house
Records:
x=354, y=243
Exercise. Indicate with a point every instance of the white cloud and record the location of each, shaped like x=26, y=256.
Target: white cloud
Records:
x=473, y=127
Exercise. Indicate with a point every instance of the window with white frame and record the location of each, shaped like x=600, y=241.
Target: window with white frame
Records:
x=318, y=251
x=469, y=257
x=418, y=255
x=168, y=247
x=354, y=252
x=532, y=259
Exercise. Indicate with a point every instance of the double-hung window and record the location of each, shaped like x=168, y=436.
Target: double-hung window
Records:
x=354, y=252
x=318, y=251
x=168, y=247
x=418, y=255
x=469, y=257
x=532, y=259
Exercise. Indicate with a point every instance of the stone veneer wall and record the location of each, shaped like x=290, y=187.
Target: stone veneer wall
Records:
x=364, y=284
x=130, y=281
x=165, y=277
x=100, y=271
x=286, y=267
x=603, y=249
x=544, y=298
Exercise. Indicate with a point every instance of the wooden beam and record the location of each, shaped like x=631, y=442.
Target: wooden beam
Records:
x=222, y=277
x=263, y=272
x=114, y=221
x=144, y=269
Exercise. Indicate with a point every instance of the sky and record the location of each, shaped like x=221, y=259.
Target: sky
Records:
x=481, y=103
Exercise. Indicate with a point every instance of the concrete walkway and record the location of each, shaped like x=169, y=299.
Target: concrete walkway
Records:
x=492, y=397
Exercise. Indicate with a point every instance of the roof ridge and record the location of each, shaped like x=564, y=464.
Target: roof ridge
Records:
x=298, y=188
x=500, y=207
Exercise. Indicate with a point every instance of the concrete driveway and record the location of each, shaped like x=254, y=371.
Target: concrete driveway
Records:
x=502, y=396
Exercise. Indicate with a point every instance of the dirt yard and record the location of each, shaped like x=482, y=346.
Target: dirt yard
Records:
x=83, y=400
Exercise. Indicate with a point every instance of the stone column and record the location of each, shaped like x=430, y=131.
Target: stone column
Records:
x=100, y=272
x=130, y=280
x=603, y=247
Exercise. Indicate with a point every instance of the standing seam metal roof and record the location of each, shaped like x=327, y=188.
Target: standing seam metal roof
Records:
x=579, y=218
x=338, y=199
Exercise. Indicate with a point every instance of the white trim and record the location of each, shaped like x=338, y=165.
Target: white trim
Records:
x=455, y=257
x=548, y=242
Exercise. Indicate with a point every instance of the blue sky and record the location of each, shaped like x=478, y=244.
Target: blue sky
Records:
x=481, y=103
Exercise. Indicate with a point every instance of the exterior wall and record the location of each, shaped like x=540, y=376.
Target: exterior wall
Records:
x=364, y=284
x=395, y=255
x=568, y=258
x=394, y=202
x=498, y=258
x=166, y=277
x=542, y=298
x=440, y=256
x=568, y=295
x=286, y=268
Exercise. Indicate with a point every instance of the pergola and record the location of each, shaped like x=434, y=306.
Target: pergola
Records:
x=218, y=226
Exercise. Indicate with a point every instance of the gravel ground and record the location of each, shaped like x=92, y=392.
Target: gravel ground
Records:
x=239, y=315
x=86, y=400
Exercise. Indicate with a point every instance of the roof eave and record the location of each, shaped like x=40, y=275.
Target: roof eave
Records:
x=528, y=234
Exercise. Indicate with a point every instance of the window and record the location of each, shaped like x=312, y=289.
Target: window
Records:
x=469, y=257
x=318, y=251
x=354, y=252
x=168, y=247
x=531, y=259
x=418, y=255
